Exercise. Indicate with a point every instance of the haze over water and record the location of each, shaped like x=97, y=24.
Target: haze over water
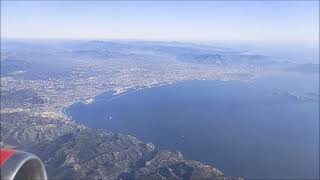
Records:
x=243, y=128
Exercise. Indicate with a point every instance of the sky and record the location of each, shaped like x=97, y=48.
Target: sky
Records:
x=162, y=20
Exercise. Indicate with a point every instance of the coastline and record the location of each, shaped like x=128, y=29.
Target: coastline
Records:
x=114, y=96
x=128, y=91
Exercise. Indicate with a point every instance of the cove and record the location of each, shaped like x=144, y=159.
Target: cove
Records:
x=242, y=128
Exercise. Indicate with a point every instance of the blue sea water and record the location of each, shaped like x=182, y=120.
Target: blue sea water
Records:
x=242, y=128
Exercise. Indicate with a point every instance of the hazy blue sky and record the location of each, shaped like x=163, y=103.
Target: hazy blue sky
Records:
x=179, y=20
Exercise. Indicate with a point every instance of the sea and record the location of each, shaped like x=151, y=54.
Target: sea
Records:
x=265, y=128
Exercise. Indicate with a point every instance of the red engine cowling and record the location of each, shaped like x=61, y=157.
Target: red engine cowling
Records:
x=20, y=165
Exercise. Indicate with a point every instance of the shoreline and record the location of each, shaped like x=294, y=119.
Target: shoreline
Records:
x=134, y=90
x=114, y=96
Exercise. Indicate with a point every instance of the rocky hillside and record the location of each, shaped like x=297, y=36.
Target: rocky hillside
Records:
x=72, y=151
